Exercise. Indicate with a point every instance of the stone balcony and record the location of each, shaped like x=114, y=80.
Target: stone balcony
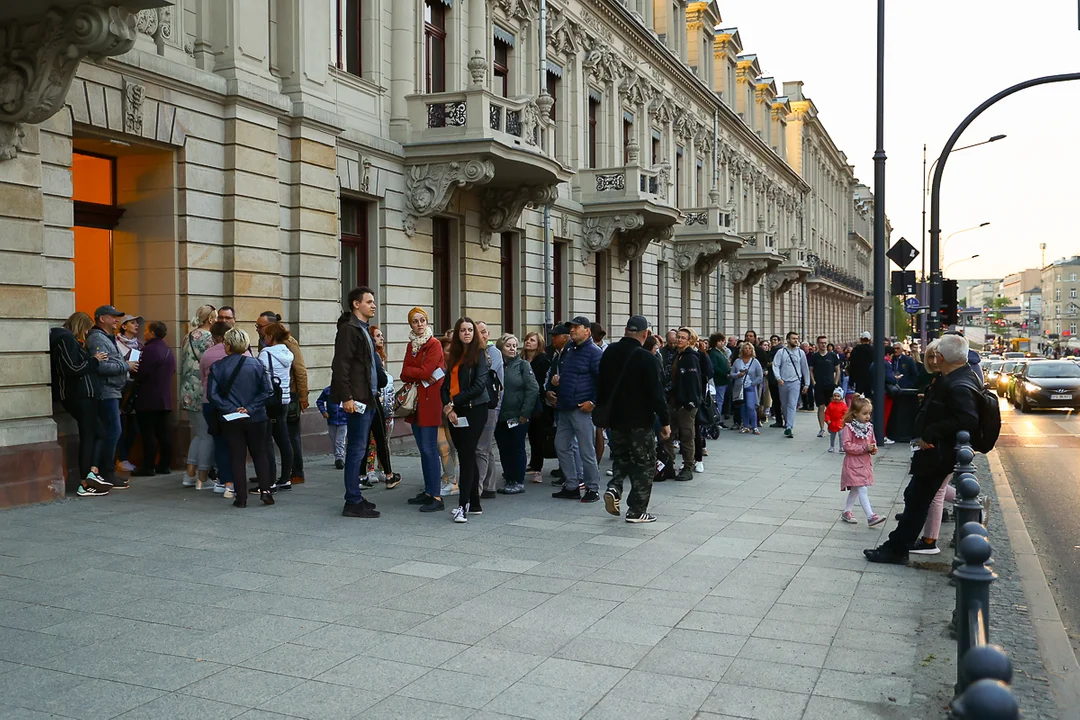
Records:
x=832, y=280
x=794, y=268
x=632, y=200
x=705, y=238
x=475, y=138
x=758, y=256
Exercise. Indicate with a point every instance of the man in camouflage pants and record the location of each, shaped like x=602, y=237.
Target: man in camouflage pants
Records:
x=631, y=393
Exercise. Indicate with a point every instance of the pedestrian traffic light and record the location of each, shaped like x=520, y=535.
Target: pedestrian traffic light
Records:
x=948, y=311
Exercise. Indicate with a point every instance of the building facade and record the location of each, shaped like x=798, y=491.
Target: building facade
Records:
x=1061, y=301
x=273, y=154
x=1014, y=285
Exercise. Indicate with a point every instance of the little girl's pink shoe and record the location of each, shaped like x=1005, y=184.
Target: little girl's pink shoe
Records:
x=875, y=520
x=849, y=517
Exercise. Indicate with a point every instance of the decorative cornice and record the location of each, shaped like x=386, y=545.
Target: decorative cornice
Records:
x=134, y=95
x=428, y=188
x=38, y=60
x=747, y=271
x=634, y=243
x=501, y=207
x=596, y=232
x=780, y=282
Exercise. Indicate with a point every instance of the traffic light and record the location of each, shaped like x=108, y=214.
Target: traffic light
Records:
x=948, y=311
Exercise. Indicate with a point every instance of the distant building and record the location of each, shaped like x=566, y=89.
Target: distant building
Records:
x=964, y=288
x=1014, y=285
x=1060, y=301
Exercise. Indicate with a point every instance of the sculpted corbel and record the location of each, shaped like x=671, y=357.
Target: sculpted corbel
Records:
x=428, y=188
x=634, y=243
x=501, y=207
x=597, y=232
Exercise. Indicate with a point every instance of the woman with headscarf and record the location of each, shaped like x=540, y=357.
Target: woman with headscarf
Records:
x=128, y=340
x=200, y=455
x=379, y=436
x=424, y=367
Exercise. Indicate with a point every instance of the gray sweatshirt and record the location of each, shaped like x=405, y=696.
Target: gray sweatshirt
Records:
x=113, y=371
x=791, y=366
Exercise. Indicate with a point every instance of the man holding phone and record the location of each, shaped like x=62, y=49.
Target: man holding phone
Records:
x=354, y=384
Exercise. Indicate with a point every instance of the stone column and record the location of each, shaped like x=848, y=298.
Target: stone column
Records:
x=480, y=45
x=303, y=55
x=240, y=35
x=403, y=69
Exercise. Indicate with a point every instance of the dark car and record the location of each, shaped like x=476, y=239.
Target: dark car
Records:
x=991, y=371
x=1003, y=377
x=1014, y=379
x=1049, y=384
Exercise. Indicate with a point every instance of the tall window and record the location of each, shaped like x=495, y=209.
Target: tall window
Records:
x=441, y=267
x=558, y=264
x=553, y=90
x=627, y=136
x=699, y=183
x=501, y=67
x=95, y=217
x=594, y=114
x=354, y=245
x=508, y=267
x=679, y=179
x=434, y=46
x=662, y=322
x=348, y=35
x=684, y=299
x=635, y=287
x=603, y=263
x=655, y=148
x=1072, y=293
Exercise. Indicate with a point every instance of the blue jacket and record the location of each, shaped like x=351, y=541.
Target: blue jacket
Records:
x=335, y=414
x=578, y=373
x=905, y=365
x=251, y=389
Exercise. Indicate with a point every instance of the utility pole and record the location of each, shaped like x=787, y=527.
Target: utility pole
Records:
x=880, y=237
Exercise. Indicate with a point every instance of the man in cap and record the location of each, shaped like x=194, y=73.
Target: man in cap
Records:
x=631, y=390
x=862, y=357
x=113, y=372
x=575, y=391
x=560, y=338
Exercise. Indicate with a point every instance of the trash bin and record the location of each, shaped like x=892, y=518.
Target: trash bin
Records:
x=902, y=418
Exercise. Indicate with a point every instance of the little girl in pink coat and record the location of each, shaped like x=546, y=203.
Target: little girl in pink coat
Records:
x=857, y=440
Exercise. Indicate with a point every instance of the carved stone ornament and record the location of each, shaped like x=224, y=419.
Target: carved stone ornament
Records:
x=134, y=95
x=501, y=207
x=695, y=218
x=687, y=253
x=478, y=69
x=633, y=151
x=663, y=179
x=156, y=22
x=632, y=89
x=524, y=11
x=564, y=34
x=602, y=64
x=779, y=283
x=747, y=271
x=38, y=60
x=634, y=243
x=428, y=188
x=365, y=175
x=596, y=232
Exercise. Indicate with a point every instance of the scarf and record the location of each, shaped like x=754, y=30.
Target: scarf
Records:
x=418, y=341
x=860, y=430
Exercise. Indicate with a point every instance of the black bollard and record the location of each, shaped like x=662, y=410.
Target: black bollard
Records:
x=986, y=662
x=986, y=700
x=967, y=508
x=973, y=580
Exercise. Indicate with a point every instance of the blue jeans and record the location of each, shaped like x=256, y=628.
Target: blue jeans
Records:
x=221, y=449
x=721, y=391
x=109, y=414
x=511, y=442
x=577, y=425
x=355, y=451
x=427, y=442
x=749, y=408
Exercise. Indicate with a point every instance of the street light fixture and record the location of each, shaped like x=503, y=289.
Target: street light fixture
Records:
x=946, y=240
x=924, y=299
x=955, y=262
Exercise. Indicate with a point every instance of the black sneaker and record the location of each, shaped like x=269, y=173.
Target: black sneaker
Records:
x=590, y=496
x=642, y=518
x=885, y=553
x=267, y=497
x=611, y=501
x=486, y=495
x=433, y=506
x=788, y=433
x=339, y=464
x=685, y=474
x=923, y=546
x=91, y=491
x=393, y=481
x=163, y=470
x=359, y=511
x=287, y=485
x=421, y=498
x=143, y=472
x=119, y=484
x=366, y=484
x=565, y=494
x=557, y=482
x=475, y=509
x=556, y=473
x=367, y=504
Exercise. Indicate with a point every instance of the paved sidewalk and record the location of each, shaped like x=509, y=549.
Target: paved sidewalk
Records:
x=748, y=599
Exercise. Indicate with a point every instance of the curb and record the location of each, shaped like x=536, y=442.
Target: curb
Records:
x=1053, y=641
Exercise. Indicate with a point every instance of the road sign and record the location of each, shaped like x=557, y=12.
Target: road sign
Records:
x=911, y=305
x=902, y=253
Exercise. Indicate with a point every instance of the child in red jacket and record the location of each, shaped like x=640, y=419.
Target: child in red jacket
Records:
x=834, y=417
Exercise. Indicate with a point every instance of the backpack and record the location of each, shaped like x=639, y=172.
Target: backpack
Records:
x=989, y=422
x=496, y=387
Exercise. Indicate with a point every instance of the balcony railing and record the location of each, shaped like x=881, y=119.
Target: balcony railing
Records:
x=708, y=219
x=761, y=241
x=830, y=272
x=474, y=114
x=628, y=183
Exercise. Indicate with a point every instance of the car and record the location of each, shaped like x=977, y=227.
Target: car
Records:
x=1015, y=355
x=1007, y=367
x=1010, y=379
x=1048, y=384
x=1016, y=379
x=991, y=371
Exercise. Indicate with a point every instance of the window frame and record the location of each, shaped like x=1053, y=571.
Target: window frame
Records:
x=509, y=272
x=593, y=120
x=434, y=33
x=359, y=241
x=501, y=69
x=339, y=36
x=442, y=272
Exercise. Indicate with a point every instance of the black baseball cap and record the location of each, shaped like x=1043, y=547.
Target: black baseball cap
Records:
x=108, y=310
x=560, y=329
x=637, y=323
x=581, y=320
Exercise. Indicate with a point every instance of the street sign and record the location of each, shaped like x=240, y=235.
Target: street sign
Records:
x=902, y=253
x=903, y=282
x=911, y=305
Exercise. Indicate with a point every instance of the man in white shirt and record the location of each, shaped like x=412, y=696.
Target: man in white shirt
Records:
x=793, y=377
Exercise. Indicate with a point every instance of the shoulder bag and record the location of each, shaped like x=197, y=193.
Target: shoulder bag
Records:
x=276, y=407
x=214, y=421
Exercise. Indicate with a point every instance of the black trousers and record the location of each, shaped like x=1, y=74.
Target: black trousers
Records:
x=278, y=433
x=465, y=441
x=85, y=412
x=918, y=495
x=777, y=405
x=243, y=437
x=154, y=428
x=297, y=448
x=539, y=427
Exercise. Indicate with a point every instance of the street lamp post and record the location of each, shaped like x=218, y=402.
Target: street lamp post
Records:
x=923, y=298
x=880, y=238
x=956, y=262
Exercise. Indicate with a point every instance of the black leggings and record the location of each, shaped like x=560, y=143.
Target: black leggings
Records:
x=243, y=437
x=539, y=428
x=465, y=441
x=154, y=425
x=85, y=412
x=278, y=433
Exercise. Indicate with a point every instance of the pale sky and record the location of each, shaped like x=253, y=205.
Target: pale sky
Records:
x=943, y=58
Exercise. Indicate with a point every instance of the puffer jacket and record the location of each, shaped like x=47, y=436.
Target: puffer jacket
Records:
x=113, y=371
x=520, y=390
x=578, y=373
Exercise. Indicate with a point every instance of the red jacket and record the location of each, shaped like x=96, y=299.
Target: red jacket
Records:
x=417, y=369
x=834, y=415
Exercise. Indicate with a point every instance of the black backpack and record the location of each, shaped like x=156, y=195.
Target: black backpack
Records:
x=989, y=422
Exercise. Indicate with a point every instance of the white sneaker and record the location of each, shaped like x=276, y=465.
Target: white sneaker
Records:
x=889, y=442
x=832, y=449
x=699, y=467
x=219, y=488
x=189, y=481
x=611, y=473
x=228, y=493
x=821, y=433
x=125, y=466
x=448, y=490
x=460, y=516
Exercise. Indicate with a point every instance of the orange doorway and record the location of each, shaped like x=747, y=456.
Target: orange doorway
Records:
x=95, y=217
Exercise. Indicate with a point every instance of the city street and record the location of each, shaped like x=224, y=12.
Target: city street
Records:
x=1039, y=452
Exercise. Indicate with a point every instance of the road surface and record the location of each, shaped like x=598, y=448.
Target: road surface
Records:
x=1041, y=454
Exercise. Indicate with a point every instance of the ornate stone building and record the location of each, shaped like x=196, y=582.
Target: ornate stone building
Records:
x=272, y=154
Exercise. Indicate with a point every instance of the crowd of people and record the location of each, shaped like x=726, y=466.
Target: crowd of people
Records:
x=647, y=399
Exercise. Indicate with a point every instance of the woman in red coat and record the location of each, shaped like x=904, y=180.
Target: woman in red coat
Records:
x=423, y=366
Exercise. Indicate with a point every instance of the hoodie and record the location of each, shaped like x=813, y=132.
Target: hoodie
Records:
x=113, y=371
x=278, y=361
x=74, y=370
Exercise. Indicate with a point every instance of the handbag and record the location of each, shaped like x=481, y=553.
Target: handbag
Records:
x=292, y=415
x=276, y=408
x=405, y=400
x=213, y=422
x=601, y=414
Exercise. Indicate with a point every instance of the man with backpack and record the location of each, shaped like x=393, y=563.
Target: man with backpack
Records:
x=953, y=403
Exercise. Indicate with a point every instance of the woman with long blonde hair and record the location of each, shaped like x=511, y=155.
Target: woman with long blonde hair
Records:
x=200, y=454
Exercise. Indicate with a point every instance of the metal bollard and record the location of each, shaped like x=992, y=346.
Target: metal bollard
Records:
x=985, y=700
x=973, y=580
x=971, y=528
x=966, y=507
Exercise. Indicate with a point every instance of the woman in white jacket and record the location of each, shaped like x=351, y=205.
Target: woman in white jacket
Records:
x=278, y=359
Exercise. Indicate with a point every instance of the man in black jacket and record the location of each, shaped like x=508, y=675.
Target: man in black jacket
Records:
x=630, y=389
x=862, y=357
x=684, y=396
x=952, y=405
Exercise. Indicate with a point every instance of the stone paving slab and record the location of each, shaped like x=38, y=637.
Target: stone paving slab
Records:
x=748, y=599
